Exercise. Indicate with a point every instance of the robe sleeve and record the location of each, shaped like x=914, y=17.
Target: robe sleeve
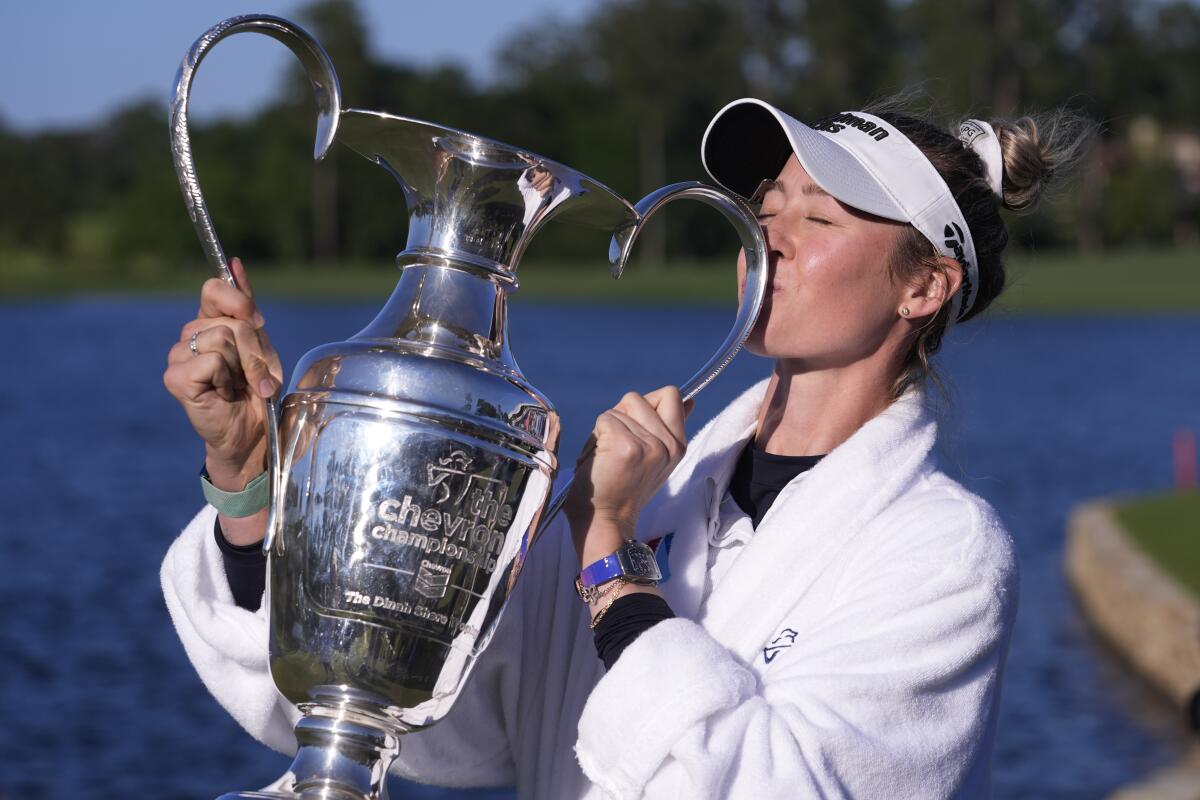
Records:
x=228, y=646
x=891, y=693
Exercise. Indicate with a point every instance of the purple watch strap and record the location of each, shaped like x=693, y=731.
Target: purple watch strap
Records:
x=633, y=560
x=600, y=571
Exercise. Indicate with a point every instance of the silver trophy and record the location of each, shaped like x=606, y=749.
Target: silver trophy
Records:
x=411, y=465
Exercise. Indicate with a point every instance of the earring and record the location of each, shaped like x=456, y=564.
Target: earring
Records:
x=904, y=312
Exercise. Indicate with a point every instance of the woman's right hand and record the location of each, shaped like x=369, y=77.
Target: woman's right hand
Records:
x=222, y=384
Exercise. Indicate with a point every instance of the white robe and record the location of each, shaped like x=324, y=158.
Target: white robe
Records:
x=854, y=649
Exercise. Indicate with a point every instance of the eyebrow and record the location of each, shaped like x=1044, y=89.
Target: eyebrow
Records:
x=808, y=189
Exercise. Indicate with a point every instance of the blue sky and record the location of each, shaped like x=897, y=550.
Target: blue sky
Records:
x=66, y=64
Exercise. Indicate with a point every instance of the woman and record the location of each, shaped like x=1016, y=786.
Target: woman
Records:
x=834, y=611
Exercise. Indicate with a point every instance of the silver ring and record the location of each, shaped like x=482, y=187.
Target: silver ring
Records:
x=192, y=344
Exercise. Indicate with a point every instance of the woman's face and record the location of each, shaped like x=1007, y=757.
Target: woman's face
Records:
x=830, y=300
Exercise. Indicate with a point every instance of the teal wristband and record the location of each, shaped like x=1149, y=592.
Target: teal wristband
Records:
x=249, y=500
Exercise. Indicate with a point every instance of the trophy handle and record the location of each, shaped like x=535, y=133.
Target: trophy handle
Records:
x=326, y=90
x=328, y=94
x=742, y=217
x=754, y=242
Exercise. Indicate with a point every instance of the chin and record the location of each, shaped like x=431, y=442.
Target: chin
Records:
x=757, y=343
x=768, y=336
x=782, y=348
x=754, y=344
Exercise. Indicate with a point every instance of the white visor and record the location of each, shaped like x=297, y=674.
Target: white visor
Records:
x=858, y=158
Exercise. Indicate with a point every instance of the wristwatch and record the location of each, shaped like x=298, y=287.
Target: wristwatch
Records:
x=633, y=561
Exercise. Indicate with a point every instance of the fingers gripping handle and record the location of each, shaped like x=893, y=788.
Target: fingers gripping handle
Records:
x=328, y=95
x=753, y=242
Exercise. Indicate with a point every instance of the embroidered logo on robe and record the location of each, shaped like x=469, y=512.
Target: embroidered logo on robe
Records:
x=662, y=551
x=785, y=639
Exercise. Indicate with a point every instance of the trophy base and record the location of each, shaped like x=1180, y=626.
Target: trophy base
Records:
x=342, y=755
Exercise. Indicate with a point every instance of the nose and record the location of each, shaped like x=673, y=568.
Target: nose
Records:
x=778, y=243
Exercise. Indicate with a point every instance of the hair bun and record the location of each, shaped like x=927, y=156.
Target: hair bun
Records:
x=1037, y=149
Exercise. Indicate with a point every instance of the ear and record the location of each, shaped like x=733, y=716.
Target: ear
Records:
x=927, y=296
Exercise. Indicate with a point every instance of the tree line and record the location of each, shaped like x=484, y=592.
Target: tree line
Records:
x=624, y=96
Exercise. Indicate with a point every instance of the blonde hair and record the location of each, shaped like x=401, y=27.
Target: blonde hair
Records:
x=1037, y=149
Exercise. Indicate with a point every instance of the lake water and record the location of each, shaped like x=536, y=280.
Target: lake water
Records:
x=99, y=473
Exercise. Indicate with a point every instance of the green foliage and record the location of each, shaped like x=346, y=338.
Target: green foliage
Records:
x=1140, y=201
x=623, y=95
x=1130, y=282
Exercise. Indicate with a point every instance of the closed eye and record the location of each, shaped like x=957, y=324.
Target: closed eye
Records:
x=819, y=220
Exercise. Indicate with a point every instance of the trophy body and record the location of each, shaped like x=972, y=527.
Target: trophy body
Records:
x=411, y=464
x=413, y=479
x=402, y=529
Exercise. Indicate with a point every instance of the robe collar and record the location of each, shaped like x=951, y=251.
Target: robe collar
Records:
x=810, y=522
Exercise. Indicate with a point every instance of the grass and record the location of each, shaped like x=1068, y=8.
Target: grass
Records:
x=1167, y=527
x=680, y=283
x=1135, y=281
x=685, y=282
x=1123, y=281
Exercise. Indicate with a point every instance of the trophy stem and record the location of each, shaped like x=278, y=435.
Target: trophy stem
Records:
x=343, y=755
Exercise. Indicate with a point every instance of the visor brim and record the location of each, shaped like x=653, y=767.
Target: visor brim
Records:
x=749, y=141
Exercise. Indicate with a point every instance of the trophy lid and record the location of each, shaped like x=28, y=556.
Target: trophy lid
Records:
x=472, y=199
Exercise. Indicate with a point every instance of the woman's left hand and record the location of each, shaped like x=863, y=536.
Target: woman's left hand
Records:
x=633, y=448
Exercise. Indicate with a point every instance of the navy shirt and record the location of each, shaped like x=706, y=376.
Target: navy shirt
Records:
x=760, y=476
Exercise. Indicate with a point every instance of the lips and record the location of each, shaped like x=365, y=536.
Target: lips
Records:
x=772, y=268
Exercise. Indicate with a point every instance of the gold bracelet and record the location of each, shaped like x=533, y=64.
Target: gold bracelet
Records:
x=610, y=586
x=622, y=582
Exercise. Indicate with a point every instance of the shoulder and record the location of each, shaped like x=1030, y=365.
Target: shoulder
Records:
x=939, y=527
x=934, y=575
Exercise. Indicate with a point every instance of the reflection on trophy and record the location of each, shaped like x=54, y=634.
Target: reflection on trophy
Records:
x=411, y=464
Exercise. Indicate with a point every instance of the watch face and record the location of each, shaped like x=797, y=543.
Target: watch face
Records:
x=641, y=561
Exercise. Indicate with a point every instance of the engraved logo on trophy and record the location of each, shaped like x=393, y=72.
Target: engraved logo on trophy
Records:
x=457, y=463
x=432, y=580
x=466, y=520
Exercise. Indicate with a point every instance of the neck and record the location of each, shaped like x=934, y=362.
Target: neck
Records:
x=810, y=412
